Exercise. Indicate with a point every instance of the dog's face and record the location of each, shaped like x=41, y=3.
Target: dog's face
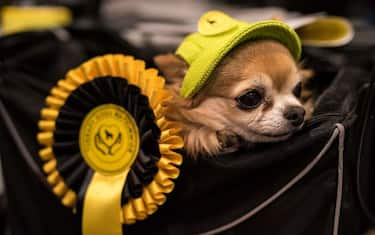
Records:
x=253, y=93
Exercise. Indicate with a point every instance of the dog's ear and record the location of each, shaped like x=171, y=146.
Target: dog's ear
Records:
x=172, y=67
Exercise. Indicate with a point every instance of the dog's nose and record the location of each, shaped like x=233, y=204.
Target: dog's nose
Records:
x=295, y=114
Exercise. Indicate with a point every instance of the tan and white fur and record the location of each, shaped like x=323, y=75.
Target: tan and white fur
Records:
x=260, y=73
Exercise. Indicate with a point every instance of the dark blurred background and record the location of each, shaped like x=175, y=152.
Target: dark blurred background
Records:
x=159, y=25
x=363, y=9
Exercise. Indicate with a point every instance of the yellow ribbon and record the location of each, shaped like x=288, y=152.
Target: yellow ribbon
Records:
x=102, y=213
x=102, y=205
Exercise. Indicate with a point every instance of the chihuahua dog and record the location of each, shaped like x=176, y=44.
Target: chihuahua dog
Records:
x=253, y=97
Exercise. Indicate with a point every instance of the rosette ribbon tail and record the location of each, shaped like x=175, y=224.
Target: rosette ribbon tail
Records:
x=102, y=204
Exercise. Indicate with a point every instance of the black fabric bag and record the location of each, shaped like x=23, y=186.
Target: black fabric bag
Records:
x=365, y=164
x=305, y=185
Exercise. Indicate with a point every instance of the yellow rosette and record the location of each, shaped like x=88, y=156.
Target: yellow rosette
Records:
x=108, y=150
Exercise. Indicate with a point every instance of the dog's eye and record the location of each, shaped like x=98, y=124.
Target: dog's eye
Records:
x=249, y=100
x=297, y=90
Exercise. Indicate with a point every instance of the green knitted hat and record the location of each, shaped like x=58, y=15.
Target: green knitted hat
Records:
x=217, y=34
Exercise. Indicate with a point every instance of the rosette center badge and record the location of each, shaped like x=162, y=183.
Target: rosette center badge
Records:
x=109, y=139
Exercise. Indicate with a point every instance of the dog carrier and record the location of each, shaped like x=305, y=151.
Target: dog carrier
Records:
x=317, y=182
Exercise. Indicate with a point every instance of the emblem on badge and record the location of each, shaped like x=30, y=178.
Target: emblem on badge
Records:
x=108, y=139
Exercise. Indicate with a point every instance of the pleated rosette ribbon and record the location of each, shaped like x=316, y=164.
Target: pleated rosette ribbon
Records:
x=108, y=151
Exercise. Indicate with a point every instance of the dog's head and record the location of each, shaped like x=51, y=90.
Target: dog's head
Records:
x=253, y=92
